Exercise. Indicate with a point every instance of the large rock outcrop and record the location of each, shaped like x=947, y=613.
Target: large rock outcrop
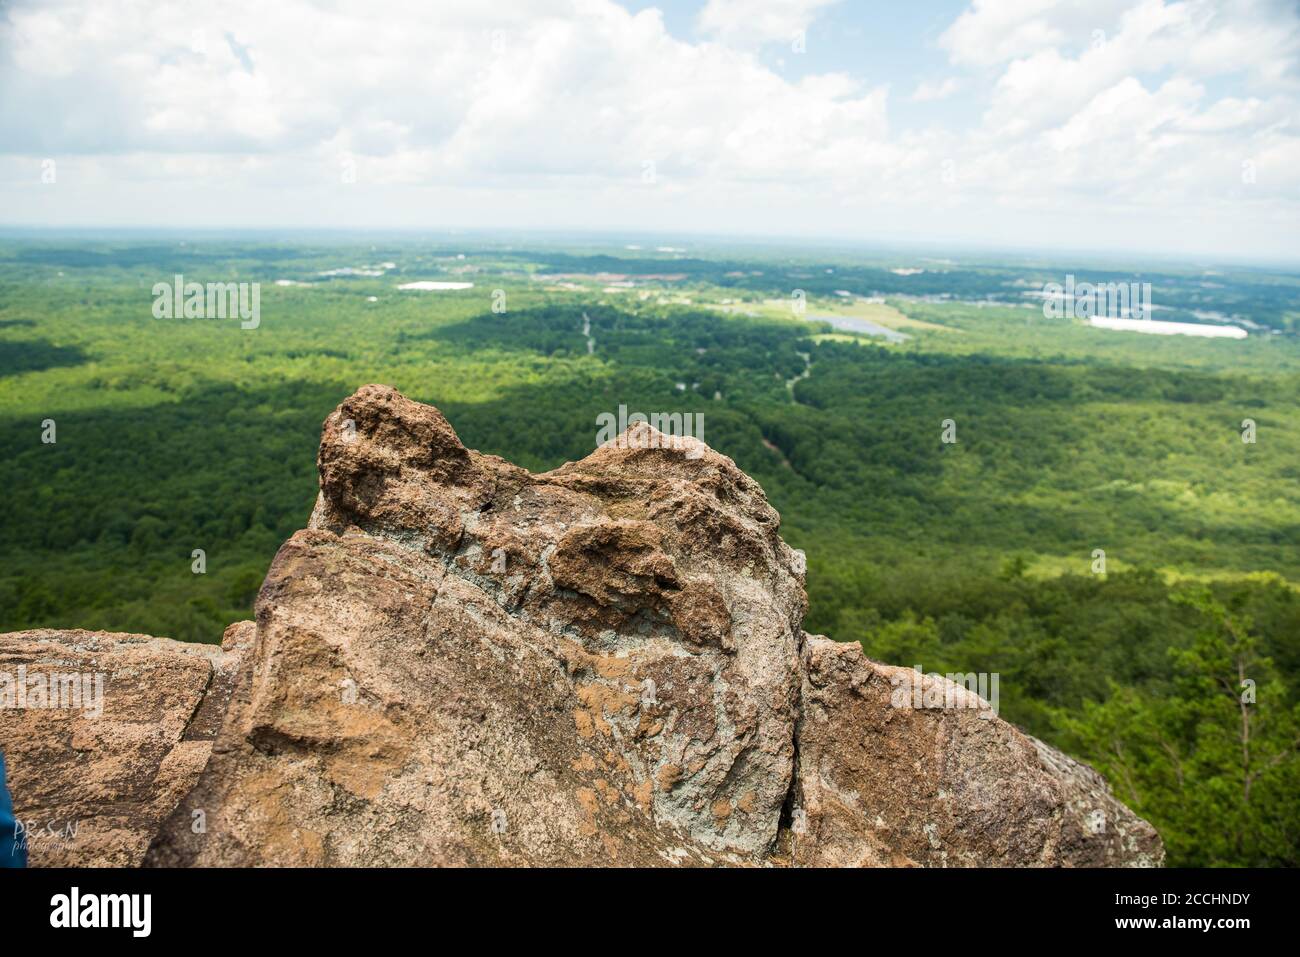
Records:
x=461, y=663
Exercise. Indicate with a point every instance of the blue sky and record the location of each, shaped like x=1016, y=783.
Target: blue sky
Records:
x=841, y=38
x=1168, y=126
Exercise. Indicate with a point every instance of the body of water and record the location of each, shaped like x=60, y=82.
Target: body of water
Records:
x=865, y=326
x=1160, y=328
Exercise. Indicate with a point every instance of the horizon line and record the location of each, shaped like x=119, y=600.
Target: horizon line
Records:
x=623, y=234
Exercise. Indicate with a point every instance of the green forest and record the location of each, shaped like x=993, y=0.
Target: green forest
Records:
x=1108, y=520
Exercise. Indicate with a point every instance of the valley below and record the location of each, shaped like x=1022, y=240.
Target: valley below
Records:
x=1107, y=520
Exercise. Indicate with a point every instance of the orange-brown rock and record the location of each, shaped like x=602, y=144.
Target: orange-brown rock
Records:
x=110, y=732
x=459, y=662
x=882, y=782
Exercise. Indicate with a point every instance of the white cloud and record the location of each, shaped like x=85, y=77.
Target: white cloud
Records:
x=540, y=90
x=553, y=112
x=1121, y=115
x=994, y=31
x=926, y=91
x=748, y=22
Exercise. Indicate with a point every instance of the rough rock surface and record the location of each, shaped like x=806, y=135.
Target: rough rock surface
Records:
x=883, y=783
x=93, y=778
x=461, y=663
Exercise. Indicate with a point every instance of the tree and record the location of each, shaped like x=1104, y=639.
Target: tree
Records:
x=1215, y=762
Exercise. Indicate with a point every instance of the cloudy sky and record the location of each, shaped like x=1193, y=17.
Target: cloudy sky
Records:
x=1151, y=125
